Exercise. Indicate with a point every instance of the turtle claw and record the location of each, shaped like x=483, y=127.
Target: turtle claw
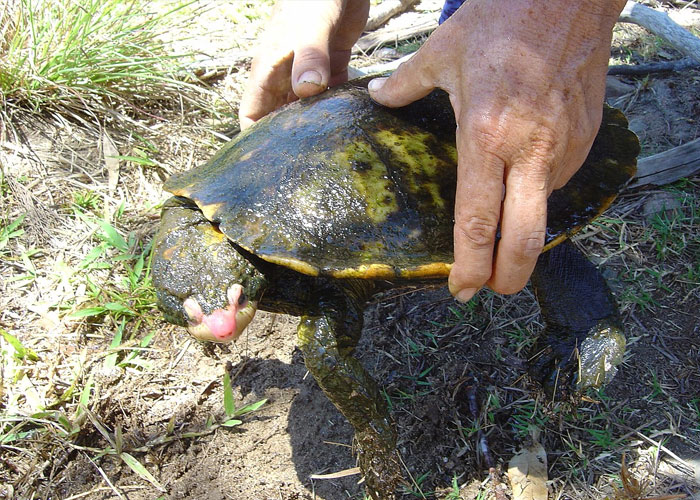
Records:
x=554, y=369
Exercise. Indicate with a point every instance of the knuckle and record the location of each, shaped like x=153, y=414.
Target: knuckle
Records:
x=474, y=277
x=543, y=153
x=310, y=59
x=530, y=246
x=507, y=288
x=544, y=146
x=487, y=132
x=478, y=231
x=545, y=139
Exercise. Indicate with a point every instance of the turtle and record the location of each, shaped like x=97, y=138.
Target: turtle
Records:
x=332, y=199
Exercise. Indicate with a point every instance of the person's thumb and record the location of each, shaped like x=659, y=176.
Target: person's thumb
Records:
x=313, y=25
x=311, y=67
x=408, y=83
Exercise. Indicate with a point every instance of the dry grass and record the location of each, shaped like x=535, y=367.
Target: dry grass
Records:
x=90, y=375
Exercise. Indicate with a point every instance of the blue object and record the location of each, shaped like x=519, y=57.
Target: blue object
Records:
x=449, y=8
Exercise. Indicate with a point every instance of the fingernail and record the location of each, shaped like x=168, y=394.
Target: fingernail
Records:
x=311, y=76
x=465, y=295
x=376, y=84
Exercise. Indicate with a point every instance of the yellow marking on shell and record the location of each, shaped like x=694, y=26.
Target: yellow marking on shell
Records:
x=183, y=191
x=411, y=149
x=452, y=152
x=295, y=264
x=433, y=270
x=247, y=156
x=369, y=178
x=369, y=271
x=604, y=205
x=209, y=210
x=373, y=247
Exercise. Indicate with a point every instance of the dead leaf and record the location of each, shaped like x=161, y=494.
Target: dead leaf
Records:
x=527, y=472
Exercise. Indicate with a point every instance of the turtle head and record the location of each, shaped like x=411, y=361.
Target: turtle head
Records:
x=203, y=281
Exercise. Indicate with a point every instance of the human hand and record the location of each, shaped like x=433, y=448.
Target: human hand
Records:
x=304, y=50
x=526, y=79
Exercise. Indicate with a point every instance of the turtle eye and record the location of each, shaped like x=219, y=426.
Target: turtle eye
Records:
x=242, y=299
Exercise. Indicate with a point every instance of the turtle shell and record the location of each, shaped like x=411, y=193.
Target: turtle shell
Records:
x=338, y=185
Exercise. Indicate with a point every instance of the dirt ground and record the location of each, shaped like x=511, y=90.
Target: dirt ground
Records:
x=424, y=349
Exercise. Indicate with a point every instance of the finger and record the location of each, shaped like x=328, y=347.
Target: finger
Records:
x=523, y=227
x=408, y=83
x=267, y=88
x=311, y=68
x=477, y=211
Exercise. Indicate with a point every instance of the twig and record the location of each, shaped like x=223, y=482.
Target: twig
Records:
x=413, y=26
x=656, y=67
x=381, y=13
x=104, y=476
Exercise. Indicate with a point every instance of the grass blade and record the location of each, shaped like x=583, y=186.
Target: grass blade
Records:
x=139, y=469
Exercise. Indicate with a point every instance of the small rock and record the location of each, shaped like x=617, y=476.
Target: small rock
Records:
x=660, y=202
x=387, y=53
x=638, y=126
x=614, y=88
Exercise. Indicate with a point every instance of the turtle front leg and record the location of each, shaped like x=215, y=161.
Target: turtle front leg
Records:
x=583, y=341
x=327, y=343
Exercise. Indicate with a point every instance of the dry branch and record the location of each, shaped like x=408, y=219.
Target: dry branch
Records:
x=378, y=68
x=379, y=14
x=661, y=25
x=669, y=166
x=415, y=25
x=656, y=67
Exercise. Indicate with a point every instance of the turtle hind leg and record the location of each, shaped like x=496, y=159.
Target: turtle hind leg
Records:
x=327, y=342
x=582, y=342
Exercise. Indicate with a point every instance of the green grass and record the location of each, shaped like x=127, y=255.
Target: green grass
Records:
x=527, y=415
x=415, y=489
x=87, y=201
x=10, y=231
x=86, y=58
x=232, y=413
x=133, y=294
x=453, y=494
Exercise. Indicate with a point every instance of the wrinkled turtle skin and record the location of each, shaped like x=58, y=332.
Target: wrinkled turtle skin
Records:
x=334, y=198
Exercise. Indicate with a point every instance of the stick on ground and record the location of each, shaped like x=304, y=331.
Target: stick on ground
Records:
x=661, y=25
